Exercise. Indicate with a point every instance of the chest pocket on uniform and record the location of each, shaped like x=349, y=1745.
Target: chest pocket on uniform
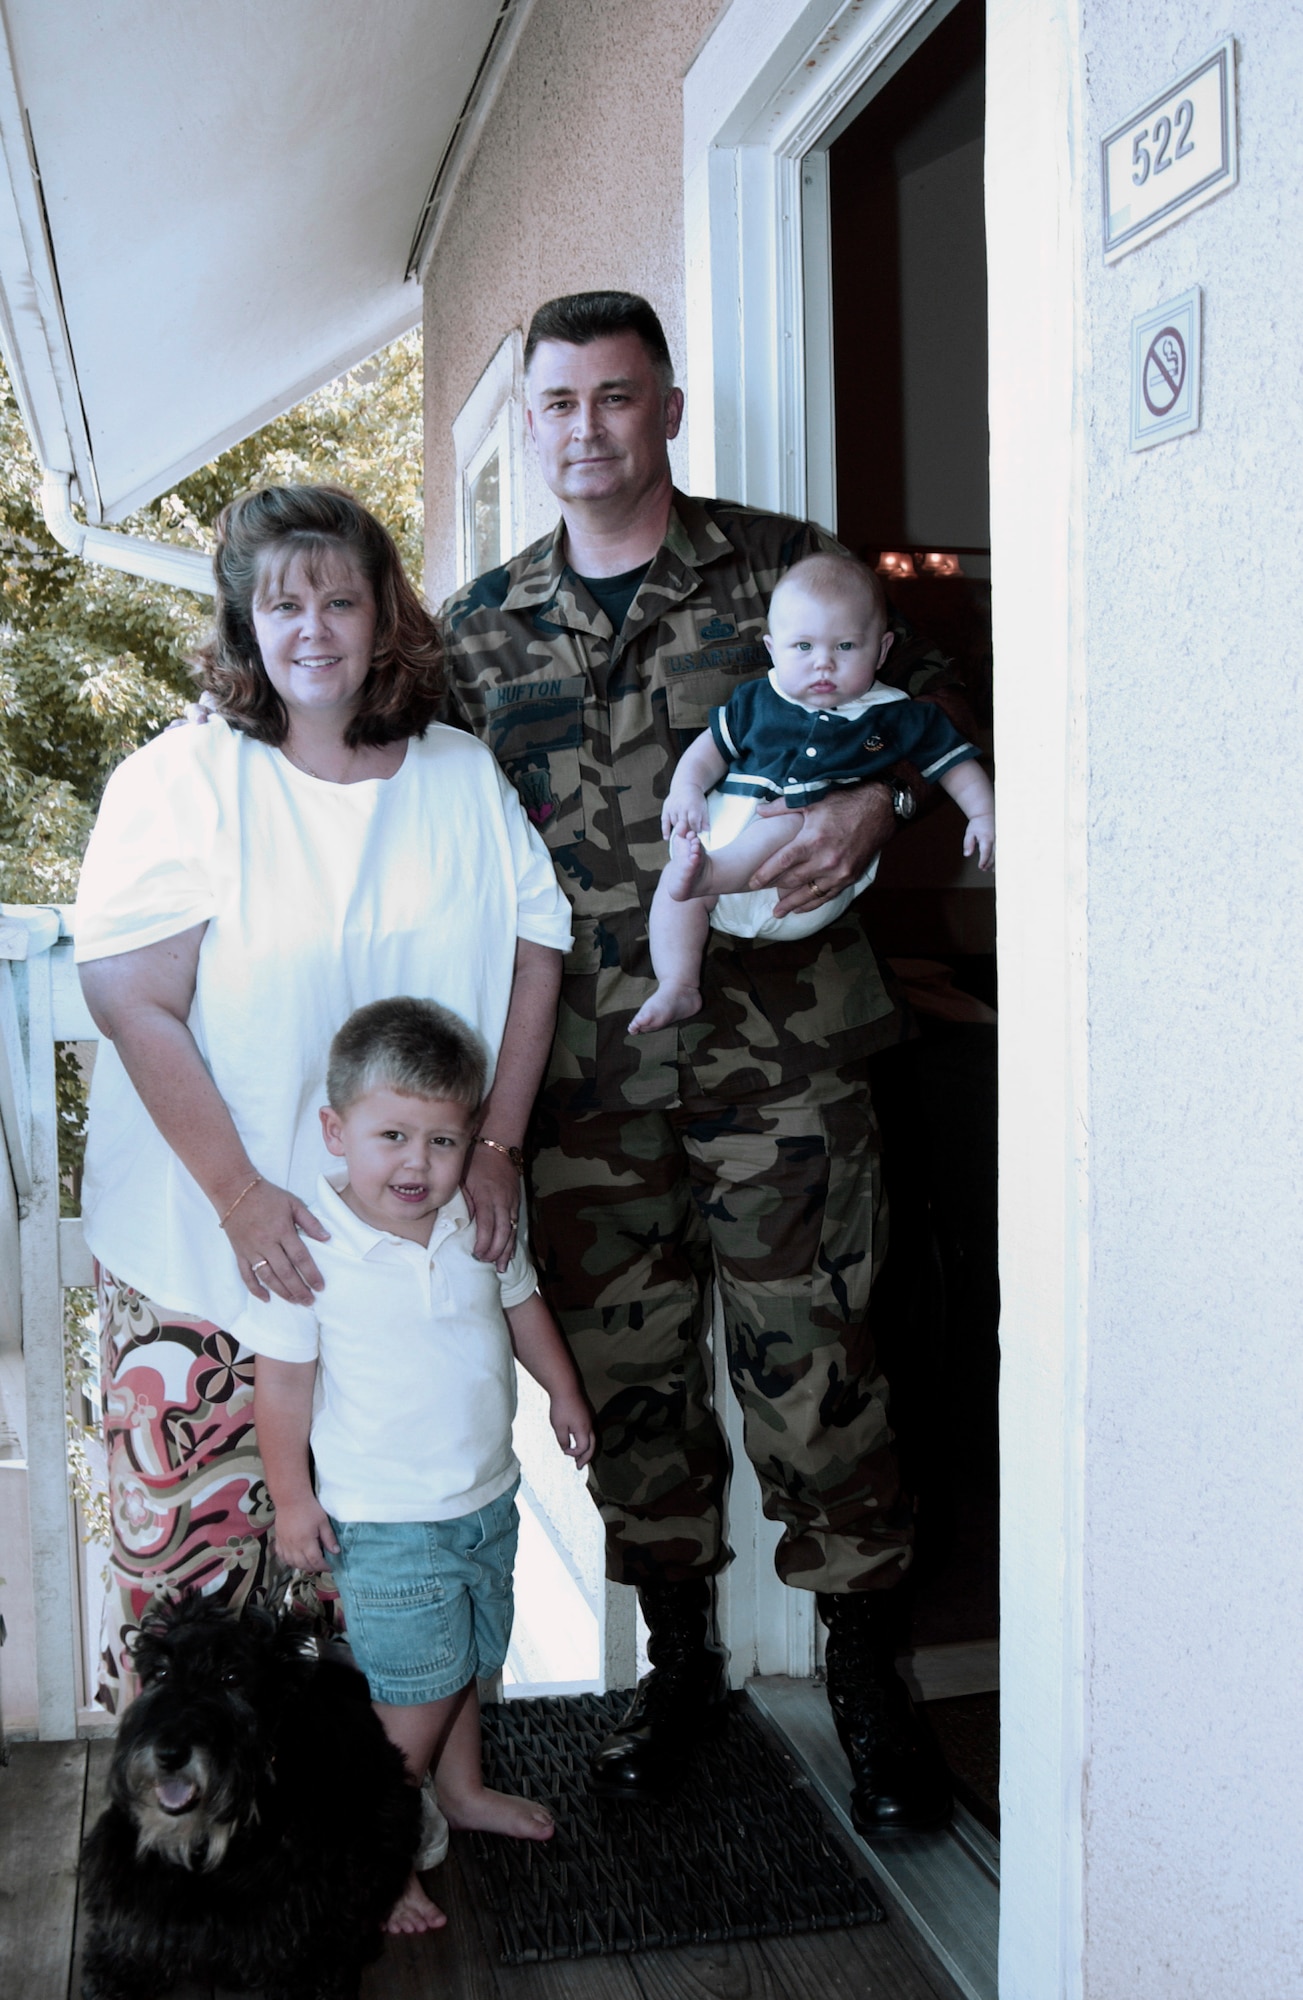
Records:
x=534, y=730
x=691, y=698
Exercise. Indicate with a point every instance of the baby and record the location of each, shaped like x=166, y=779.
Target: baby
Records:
x=819, y=719
x=401, y=1375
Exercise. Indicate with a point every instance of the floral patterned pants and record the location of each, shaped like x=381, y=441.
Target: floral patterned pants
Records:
x=189, y=1502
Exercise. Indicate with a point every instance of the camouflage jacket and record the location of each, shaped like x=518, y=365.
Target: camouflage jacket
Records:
x=589, y=725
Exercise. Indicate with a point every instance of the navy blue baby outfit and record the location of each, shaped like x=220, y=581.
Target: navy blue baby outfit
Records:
x=776, y=748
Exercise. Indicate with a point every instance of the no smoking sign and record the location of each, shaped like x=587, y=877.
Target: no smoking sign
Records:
x=1165, y=358
x=1166, y=366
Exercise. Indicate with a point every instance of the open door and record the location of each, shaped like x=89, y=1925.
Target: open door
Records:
x=906, y=319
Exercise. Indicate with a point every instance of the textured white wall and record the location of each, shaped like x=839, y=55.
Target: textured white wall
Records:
x=577, y=184
x=1193, y=611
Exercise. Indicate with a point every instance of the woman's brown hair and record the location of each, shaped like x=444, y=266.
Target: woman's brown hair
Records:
x=258, y=536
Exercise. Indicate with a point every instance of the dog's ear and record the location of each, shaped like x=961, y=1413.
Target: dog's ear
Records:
x=164, y=1612
x=295, y=1639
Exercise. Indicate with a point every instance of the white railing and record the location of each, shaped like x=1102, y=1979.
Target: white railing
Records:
x=45, y=1597
x=44, y=1662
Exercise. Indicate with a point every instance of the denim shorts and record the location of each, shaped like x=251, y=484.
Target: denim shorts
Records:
x=428, y=1603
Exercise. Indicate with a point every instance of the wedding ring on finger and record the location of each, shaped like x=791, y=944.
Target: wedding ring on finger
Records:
x=815, y=889
x=261, y=1261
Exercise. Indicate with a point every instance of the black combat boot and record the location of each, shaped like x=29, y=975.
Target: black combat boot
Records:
x=675, y=1705
x=899, y=1782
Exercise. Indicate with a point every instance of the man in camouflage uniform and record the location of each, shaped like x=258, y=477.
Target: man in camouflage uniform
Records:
x=739, y=1145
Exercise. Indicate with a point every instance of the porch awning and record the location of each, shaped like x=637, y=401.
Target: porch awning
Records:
x=206, y=211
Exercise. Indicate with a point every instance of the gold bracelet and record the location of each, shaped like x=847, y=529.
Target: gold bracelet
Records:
x=513, y=1153
x=223, y=1220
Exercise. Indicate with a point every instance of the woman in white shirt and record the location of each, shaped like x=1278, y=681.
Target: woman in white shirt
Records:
x=321, y=843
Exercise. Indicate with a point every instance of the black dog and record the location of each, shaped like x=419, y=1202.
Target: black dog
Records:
x=261, y=1827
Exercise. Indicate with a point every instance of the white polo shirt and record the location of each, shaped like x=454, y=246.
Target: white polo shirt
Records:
x=416, y=1379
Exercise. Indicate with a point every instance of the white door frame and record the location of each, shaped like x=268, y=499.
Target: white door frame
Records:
x=762, y=101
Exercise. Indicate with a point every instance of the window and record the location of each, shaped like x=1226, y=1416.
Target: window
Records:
x=487, y=437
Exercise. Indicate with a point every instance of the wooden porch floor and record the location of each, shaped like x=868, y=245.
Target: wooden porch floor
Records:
x=49, y=1792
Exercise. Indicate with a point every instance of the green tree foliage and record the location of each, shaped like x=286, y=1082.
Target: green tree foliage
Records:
x=93, y=663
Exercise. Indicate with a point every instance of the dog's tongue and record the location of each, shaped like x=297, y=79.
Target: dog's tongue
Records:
x=175, y=1794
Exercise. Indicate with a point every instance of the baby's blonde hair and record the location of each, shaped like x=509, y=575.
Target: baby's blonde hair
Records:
x=829, y=573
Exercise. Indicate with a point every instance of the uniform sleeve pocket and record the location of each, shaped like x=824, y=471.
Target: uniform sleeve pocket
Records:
x=536, y=741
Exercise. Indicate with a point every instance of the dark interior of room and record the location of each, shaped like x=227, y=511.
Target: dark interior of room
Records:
x=910, y=369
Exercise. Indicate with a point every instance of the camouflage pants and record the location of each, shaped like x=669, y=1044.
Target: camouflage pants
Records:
x=778, y=1194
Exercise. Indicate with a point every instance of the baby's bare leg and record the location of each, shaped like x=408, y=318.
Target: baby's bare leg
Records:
x=677, y=933
x=727, y=870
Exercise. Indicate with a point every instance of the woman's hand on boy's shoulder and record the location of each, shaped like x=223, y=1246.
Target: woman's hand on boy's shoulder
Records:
x=202, y=709
x=491, y=1185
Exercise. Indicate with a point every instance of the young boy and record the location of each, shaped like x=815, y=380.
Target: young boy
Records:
x=401, y=1372
x=819, y=719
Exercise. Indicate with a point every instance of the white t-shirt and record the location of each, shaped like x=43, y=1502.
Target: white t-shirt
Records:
x=416, y=1380
x=318, y=898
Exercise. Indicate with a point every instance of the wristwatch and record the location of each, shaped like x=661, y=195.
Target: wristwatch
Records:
x=903, y=802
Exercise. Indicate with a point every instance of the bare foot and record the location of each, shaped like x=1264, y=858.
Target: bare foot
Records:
x=667, y=1005
x=497, y=1812
x=687, y=869
x=414, y=1912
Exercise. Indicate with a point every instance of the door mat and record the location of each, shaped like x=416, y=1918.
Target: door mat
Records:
x=742, y=1851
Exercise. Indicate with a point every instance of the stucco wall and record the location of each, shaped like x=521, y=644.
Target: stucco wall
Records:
x=576, y=184
x=1193, y=607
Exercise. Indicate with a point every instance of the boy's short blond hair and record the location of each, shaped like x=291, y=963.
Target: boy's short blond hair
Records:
x=412, y=1046
x=831, y=572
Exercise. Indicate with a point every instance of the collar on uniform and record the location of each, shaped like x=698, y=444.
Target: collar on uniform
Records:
x=849, y=710
x=546, y=583
x=361, y=1238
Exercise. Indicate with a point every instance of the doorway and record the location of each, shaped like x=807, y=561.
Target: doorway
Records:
x=768, y=95
x=906, y=284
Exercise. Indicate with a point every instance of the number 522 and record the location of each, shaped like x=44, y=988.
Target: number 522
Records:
x=1162, y=139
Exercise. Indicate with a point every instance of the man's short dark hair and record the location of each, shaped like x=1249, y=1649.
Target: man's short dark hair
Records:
x=581, y=317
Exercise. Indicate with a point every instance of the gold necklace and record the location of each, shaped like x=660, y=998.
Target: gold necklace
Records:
x=300, y=763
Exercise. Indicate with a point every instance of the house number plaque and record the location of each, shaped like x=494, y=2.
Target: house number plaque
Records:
x=1171, y=157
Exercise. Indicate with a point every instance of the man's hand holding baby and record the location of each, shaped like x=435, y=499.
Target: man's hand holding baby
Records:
x=841, y=835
